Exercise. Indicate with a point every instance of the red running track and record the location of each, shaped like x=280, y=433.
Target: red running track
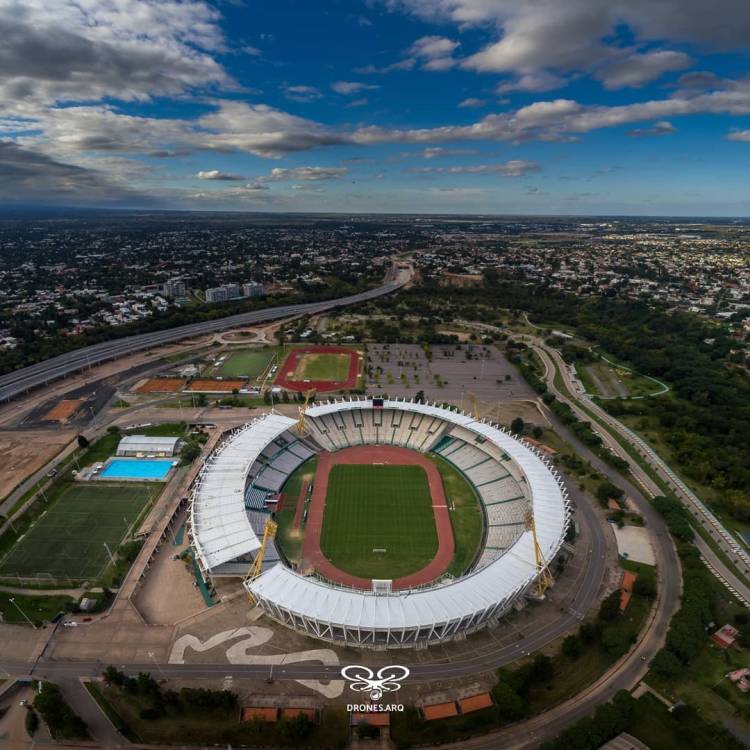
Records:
x=286, y=374
x=312, y=554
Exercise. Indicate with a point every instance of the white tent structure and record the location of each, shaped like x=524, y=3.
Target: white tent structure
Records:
x=436, y=612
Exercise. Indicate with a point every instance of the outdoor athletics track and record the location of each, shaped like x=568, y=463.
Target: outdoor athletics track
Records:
x=372, y=454
x=290, y=365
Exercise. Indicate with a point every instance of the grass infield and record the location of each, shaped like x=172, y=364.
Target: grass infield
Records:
x=386, y=508
x=245, y=363
x=67, y=542
x=314, y=366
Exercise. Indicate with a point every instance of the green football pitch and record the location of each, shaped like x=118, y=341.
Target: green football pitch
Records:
x=378, y=520
x=246, y=363
x=67, y=542
x=334, y=367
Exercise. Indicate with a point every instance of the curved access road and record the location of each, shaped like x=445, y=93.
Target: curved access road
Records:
x=15, y=383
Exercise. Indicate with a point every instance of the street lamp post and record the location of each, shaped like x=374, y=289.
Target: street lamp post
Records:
x=13, y=601
x=157, y=665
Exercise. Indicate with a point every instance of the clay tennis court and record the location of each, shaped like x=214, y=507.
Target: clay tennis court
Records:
x=162, y=385
x=63, y=410
x=290, y=374
x=216, y=386
x=312, y=554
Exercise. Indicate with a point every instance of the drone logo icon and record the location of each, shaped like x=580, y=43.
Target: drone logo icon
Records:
x=363, y=679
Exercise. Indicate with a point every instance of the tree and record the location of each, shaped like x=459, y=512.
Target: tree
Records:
x=666, y=664
x=419, y=398
x=190, y=451
x=516, y=426
x=509, y=702
x=572, y=647
x=537, y=431
x=31, y=721
x=610, y=607
x=82, y=442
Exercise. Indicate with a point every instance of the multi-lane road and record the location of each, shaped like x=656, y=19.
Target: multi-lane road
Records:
x=21, y=381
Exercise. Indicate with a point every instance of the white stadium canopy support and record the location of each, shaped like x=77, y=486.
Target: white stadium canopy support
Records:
x=510, y=478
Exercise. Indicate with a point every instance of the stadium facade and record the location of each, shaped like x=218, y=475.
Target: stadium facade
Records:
x=511, y=480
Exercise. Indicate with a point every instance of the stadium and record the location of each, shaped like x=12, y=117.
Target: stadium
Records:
x=378, y=545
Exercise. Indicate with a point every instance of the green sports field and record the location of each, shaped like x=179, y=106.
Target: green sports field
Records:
x=67, y=542
x=246, y=363
x=371, y=508
x=323, y=367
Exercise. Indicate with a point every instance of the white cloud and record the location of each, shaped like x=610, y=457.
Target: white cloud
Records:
x=638, y=69
x=215, y=174
x=739, y=135
x=663, y=127
x=472, y=103
x=86, y=50
x=313, y=174
x=349, y=88
x=536, y=81
x=434, y=52
x=304, y=94
x=512, y=168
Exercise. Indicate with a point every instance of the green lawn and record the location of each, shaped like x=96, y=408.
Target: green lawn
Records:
x=333, y=367
x=290, y=543
x=466, y=515
x=246, y=363
x=379, y=507
x=37, y=608
x=67, y=541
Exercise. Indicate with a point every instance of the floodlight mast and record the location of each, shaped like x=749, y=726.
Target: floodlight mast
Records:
x=269, y=532
x=544, y=579
x=301, y=426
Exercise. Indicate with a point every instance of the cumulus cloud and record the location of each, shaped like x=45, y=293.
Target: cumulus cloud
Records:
x=638, y=69
x=30, y=176
x=663, y=127
x=739, y=135
x=304, y=94
x=312, y=174
x=215, y=174
x=434, y=52
x=349, y=88
x=512, y=168
x=86, y=50
x=472, y=103
x=533, y=82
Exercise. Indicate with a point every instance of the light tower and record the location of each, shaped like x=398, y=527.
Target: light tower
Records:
x=301, y=426
x=544, y=579
x=474, y=406
x=269, y=532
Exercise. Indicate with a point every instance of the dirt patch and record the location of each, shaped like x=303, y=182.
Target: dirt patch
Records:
x=203, y=385
x=63, y=410
x=25, y=452
x=312, y=553
x=161, y=385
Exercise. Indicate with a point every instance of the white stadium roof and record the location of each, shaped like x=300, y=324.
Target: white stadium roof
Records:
x=475, y=595
x=220, y=527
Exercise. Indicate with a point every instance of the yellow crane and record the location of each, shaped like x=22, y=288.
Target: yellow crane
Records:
x=474, y=406
x=269, y=532
x=301, y=427
x=544, y=578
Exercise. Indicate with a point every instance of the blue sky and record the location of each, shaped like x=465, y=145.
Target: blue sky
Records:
x=455, y=106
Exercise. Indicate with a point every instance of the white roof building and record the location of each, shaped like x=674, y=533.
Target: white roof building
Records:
x=145, y=445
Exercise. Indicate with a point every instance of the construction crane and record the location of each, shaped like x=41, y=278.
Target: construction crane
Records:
x=301, y=427
x=544, y=579
x=474, y=406
x=269, y=532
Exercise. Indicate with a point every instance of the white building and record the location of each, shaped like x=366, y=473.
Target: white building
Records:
x=145, y=445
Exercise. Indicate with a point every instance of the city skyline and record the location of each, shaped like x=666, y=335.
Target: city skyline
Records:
x=435, y=106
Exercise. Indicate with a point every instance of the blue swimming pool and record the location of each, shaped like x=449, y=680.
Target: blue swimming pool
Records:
x=137, y=468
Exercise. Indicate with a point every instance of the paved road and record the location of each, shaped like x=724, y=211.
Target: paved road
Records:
x=726, y=542
x=20, y=381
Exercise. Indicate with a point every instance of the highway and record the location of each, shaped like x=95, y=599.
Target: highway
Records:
x=15, y=383
x=724, y=539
